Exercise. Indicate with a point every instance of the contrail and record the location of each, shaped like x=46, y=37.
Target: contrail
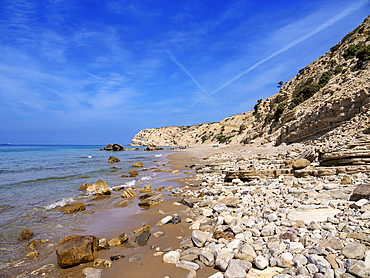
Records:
x=173, y=58
x=290, y=45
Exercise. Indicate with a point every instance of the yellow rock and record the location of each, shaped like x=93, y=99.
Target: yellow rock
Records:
x=175, y=172
x=170, y=187
x=146, y=189
x=167, y=170
x=187, y=172
x=138, y=164
x=160, y=188
x=143, y=227
x=128, y=193
x=32, y=255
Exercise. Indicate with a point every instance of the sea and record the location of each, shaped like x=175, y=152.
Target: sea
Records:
x=36, y=181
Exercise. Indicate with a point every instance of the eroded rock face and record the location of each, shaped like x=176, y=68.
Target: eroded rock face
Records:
x=76, y=249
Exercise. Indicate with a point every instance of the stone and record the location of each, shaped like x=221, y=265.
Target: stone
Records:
x=164, y=220
x=158, y=234
x=76, y=249
x=308, y=213
x=142, y=228
x=354, y=251
x=99, y=188
x=71, y=208
x=319, y=261
x=249, y=251
x=128, y=193
x=261, y=262
x=176, y=220
x=25, y=234
x=361, y=192
x=346, y=180
x=36, y=244
x=192, y=274
x=122, y=238
x=359, y=269
x=285, y=260
x=171, y=257
x=199, y=238
x=103, y=244
x=133, y=174
x=234, y=270
x=331, y=242
x=190, y=254
x=207, y=258
x=113, y=159
x=216, y=275
x=146, y=189
x=32, y=255
x=91, y=272
x=222, y=261
x=116, y=257
x=186, y=243
x=187, y=265
x=143, y=238
x=152, y=200
x=102, y=263
x=138, y=164
x=84, y=186
x=300, y=163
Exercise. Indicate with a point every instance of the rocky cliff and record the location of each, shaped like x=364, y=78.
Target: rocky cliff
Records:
x=324, y=96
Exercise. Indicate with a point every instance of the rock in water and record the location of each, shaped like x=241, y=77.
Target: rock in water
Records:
x=138, y=164
x=76, y=249
x=152, y=200
x=70, y=208
x=99, y=188
x=113, y=159
x=25, y=234
x=128, y=193
x=143, y=238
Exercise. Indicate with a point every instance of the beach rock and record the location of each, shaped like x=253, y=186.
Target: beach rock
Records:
x=300, y=163
x=261, y=262
x=146, y=189
x=37, y=244
x=116, y=257
x=76, y=249
x=102, y=263
x=128, y=193
x=309, y=213
x=70, y=208
x=216, y=275
x=354, y=251
x=32, y=255
x=113, y=147
x=143, y=238
x=113, y=159
x=222, y=261
x=99, y=188
x=171, y=257
x=103, y=244
x=234, y=270
x=122, y=238
x=361, y=192
x=176, y=220
x=151, y=201
x=164, y=220
x=158, y=234
x=346, y=180
x=142, y=228
x=187, y=265
x=138, y=164
x=207, y=258
x=84, y=186
x=199, y=238
x=186, y=243
x=133, y=174
x=192, y=274
x=359, y=269
x=25, y=234
x=91, y=272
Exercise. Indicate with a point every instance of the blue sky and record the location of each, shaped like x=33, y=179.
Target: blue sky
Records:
x=97, y=72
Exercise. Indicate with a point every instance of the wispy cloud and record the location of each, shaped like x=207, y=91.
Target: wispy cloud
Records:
x=173, y=58
x=323, y=26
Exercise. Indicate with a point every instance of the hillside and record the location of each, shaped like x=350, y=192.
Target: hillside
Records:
x=332, y=93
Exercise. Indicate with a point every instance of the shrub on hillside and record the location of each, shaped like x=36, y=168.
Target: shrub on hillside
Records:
x=303, y=94
x=324, y=79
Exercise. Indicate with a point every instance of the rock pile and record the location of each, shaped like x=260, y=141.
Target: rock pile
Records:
x=278, y=227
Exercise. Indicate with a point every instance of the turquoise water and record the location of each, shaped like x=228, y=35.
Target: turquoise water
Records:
x=37, y=180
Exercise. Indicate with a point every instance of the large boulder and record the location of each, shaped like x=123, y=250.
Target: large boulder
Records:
x=361, y=192
x=152, y=200
x=113, y=147
x=76, y=249
x=113, y=159
x=99, y=188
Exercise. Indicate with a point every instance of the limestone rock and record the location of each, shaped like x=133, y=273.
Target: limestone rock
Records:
x=354, y=251
x=76, y=249
x=152, y=200
x=113, y=159
x=128, y=193
x=171, y=257
x=99, y=188
x=70, y=208
x=199, y=238
x=138, y=164
x=300, y=164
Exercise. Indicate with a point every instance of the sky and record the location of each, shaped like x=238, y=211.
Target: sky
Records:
x=99, y=71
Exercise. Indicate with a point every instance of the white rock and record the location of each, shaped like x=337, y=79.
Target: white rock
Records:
x=217, y=275
x=187, y=265
x=164, y=220
x=261, y=262
x=171, y=257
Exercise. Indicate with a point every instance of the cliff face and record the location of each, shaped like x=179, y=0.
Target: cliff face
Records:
x=325, y=95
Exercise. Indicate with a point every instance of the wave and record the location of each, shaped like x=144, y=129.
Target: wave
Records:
x=146, y=178
x=60, y=203
x=127, y=184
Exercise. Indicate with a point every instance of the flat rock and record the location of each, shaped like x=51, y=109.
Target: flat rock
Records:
x=361, y=192
x=199, y=238
x=153, y=200
x=143, y=238
x=308, y=213
x=71, y=208
x=91, y=272
x=187, y=265
x=234, y=270
x=99, y=188
x=354, y=251
x=171, y=257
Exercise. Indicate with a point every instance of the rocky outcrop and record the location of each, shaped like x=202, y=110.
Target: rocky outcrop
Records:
x=338, y=81
x=76, y=249
x=99, y=188
x=113, y=159
x=113, y=148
